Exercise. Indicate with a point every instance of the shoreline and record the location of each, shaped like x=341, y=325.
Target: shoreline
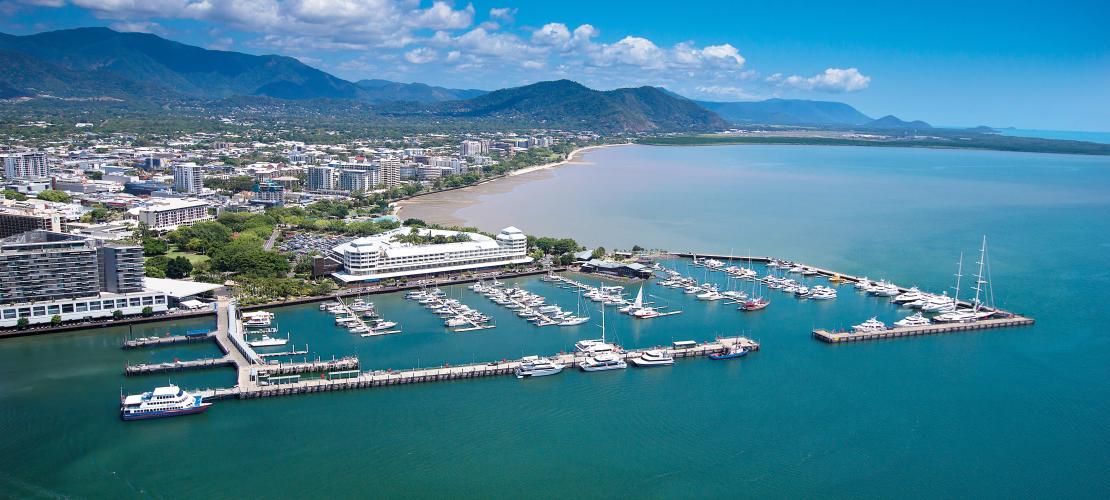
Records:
x=399, y=205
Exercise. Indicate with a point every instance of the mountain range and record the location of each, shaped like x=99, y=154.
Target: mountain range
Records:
x=100, y=63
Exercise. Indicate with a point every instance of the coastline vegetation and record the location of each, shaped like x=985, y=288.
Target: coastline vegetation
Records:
x=936, y=139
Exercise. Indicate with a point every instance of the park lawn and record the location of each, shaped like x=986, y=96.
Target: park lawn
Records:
x=194, y=258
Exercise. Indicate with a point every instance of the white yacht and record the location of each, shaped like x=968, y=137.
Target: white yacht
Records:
x=939, y=304
x=383, y=325
x=654, y=357
x=257, y=318
x=573, y=320
x=822, y=293
x=710, y=295
x=915, y=319
x=911, y=295
x=535, y=366
x=267, y=341
x=871, y=325
x=602, y=362
x=958, y=316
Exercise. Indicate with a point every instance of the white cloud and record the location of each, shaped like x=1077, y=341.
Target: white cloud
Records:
x=831, y=80
x=725, y=91
x=551, y=34
x=421, y=55
x=631, y=50
x=506, y=14
x=139, y=27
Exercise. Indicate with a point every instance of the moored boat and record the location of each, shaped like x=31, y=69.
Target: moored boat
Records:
x=168, y=401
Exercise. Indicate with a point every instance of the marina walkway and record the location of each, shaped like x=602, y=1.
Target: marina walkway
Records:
x=913, y=331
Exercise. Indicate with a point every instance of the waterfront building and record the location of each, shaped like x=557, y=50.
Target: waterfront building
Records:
x=167, y=214
x=390, y=169
x=386, y=255
x=321, y=178
x=45, y=274
x=188, y=178
x=26, y=166
x=358, y=180
x=428, y=173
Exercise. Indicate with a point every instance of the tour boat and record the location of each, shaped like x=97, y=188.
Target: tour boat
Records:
x=259, y=318
x=602, y=362
x=732, y=352
x=654, y=357
x=267, y=341
x=535, y=366
x=871, y=325
x=916, y=319
x=168, y=401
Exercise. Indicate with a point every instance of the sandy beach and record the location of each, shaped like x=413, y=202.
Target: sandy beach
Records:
x=441, y=207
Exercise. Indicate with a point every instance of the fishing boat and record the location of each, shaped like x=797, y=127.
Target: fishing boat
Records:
x=732, y=352
x=653, y=357
x=168, y=401
x=535, y=366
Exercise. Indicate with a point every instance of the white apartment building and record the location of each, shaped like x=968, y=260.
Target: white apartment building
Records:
x=321, y=178
x=26, y=166
x=390, y=171
x=167, y=214
x=381, y=257
x=358, y=180
x=188, y=178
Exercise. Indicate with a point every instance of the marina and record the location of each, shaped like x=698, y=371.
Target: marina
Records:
x=457, y=316
x=836, y=337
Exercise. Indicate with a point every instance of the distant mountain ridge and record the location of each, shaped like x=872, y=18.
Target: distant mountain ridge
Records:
x=386, y=91
x=565, y=103
x=787, y=112
x=893, y=122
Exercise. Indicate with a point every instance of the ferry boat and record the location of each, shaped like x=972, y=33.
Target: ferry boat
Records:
x=168, y=401
x=257, y=318
x=535, y=366
x=654, y=357
x=602, y=362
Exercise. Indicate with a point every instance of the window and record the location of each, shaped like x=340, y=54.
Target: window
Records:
x=94, y=305
x=67, y=308
x=134, y=301
x=161, y=299
x=40, y=310
x=82, y=307
x=9, y=313
x=148, y=301
x=54, y=309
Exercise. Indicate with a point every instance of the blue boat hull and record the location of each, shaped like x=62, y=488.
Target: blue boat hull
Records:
x=732, y=355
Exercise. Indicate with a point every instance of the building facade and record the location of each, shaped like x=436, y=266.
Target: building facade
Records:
x=188, y=178
x=15, y=220
x=28, y=166
x=45, y=274
x=321, y=178
x=390, y=172
x=167, y=214
x=383, y=256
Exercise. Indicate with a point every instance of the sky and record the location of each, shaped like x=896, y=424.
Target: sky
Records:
x=1033, y=65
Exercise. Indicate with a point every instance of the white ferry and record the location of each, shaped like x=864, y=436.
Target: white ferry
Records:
x=169, y=401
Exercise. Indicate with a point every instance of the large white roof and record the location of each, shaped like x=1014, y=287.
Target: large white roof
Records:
x=384, y=243
x=178, y=288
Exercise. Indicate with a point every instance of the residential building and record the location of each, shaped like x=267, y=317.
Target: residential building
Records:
x=167, y=214
x=473, y=148
x=383, y=256
x=19, y=219
x=45, y=274
x=188, y=178
x=26, y=166
x=321, y=178
x=390, y=171
x=351, y=180
x=269, y=193
x=428, y=173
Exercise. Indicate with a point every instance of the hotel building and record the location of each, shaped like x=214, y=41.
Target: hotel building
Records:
x=167, y=214
x=45, y=274
x=381, y=256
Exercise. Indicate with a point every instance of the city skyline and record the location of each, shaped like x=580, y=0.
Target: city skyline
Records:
x=950, y=70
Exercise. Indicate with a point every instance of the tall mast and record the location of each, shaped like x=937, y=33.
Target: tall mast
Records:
x=959, y=274
x=603, y=322
x=979, y=282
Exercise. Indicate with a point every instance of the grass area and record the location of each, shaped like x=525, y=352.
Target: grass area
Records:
x=194, y=258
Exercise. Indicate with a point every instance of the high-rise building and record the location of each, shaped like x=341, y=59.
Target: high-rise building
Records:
x=167, y=214
x=269, y=193
x=358, y=180
x=390, y=171
x=26, y=166
x=321, y=178
x=45, y=274
x=15, y=220
x=471, y=148
x=188, y=178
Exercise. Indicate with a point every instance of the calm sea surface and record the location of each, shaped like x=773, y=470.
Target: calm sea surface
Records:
x=999, y=414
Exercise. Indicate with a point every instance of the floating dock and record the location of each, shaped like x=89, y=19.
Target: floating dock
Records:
x=175, y=366
x=167, y=340
x=914, y=331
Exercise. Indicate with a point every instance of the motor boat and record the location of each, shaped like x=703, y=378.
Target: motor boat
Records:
x=871, y=325
x=654, y=357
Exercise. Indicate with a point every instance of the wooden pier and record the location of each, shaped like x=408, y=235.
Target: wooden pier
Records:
x=167, y=340
x=175, y=366
x=914, y=331
x=348, y=363
x=382, y=378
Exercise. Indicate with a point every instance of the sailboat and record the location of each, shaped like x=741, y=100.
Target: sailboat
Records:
x=578, y=318
x=601, y=355
x=964, y=315
x=755, y=302
x=636, y=305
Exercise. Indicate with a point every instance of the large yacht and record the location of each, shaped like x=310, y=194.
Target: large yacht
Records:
x=871, y=325
x=654, y=357
x=602, y=362
x=535, y=366
x=169, y=401
x=916, y=319
x=258, y=318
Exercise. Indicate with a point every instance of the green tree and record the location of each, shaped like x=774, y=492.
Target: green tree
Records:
x=599, y=252
x=12, y=194
x=637, y=248
x=154, y=246
x=95, y=175
x=22, y=323
x=148, y=311
x=117, y=314
x=55, y=320
x=54, y=195
x=156, y=266
x=178, y=267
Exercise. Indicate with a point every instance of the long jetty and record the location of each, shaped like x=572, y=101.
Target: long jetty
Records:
x=167, y=340
x=834, y=337
x=381, y=378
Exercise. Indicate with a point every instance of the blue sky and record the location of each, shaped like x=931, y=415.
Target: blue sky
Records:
x=1024, y=64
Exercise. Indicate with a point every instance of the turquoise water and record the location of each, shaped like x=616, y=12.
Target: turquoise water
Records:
x=1008, y=413
x=1067, y=135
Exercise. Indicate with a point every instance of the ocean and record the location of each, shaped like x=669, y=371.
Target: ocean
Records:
x=1001, y=413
